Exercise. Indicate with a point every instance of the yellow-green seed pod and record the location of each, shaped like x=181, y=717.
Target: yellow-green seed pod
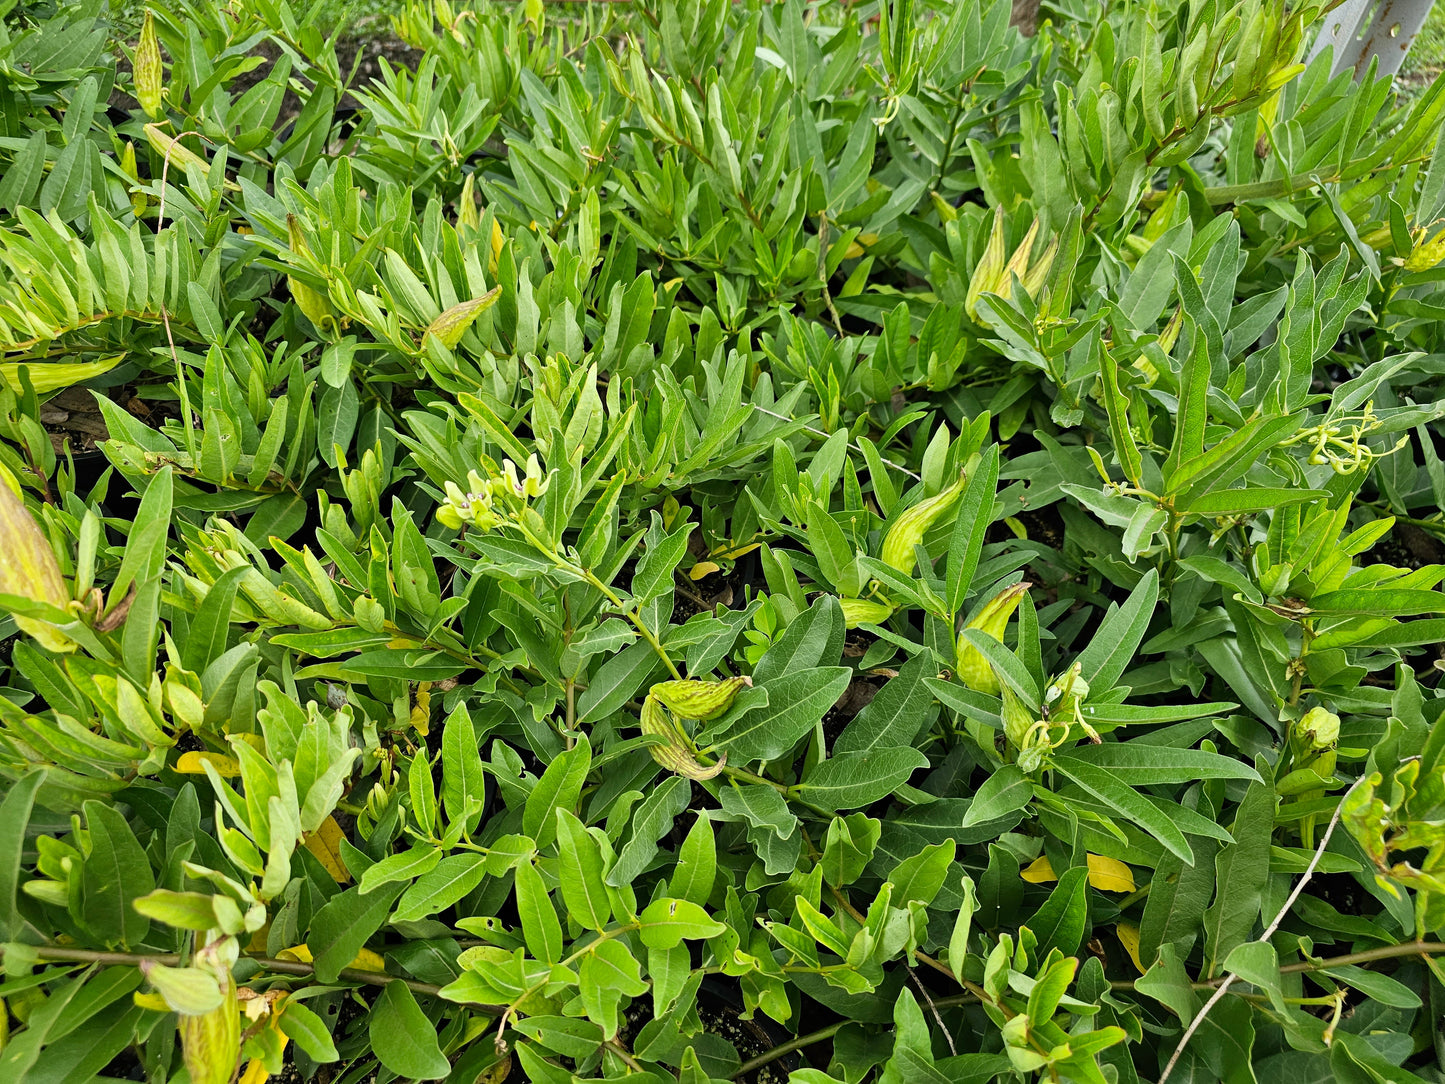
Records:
x=913, y=523
x=988, y=273
x=451, y=325
x=28, y=567
x=467, y=205
x=973, y=669
x=1017, y=719
x=864, y=611
x=147, y=70
x=701, y=700
x=211, y=1042
x=677, y=755
x=174, y=151
x=1319, y=728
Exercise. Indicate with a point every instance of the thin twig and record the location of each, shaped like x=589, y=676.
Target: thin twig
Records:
x=1299, y=887
x=282, y=967
x=937, y=1016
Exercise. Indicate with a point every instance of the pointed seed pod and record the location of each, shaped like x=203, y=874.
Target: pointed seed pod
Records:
x=147, y=70
x=28, y=567
x=973, y=669
x=211, y=1041
x=864, y=611
x=989, y=270
x=913, y=523
x=701, y=700
x=677, y=755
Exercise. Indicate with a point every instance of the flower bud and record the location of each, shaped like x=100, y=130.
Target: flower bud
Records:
x=973, y=669
x=701, y=700
x=912, y=524
x=147, y=70
x=28, y=568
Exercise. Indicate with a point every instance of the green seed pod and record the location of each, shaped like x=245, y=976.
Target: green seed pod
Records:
x=973, y=669
x=701, y=700
x=913, y=523
x=988, y=272
x=677, y=755
x=147, y=70
x=28, y=568
x=1017, y=719
x=211, y=1041
x=1319, y=728
x=864, y=611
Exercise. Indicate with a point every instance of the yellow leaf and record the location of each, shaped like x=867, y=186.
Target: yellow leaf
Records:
x=365, y=960
x=154, y=1002
x=1105, y=874
x=255, y=1073
x=1039, y=871
x=854, y=251
x=738, y=551
x=1129, y=938
x=190, y=763
x=703, y=568
x=325, y=844
x=1109, y=874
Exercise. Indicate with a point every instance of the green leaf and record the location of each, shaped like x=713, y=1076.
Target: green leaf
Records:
x=849, y=847
x=1119, y=635
x=1005, y=791
x=308, y=1031
x=696, y=871
x=539, y=918
x=14, y=818
x=580, y=870
x=342, y=927
x=667, y=922
x=402, y=1037
x=559, y=788
x=975, y=513
x=116, y=873
x=796, y=702
x=463, y=783
x=1060, y=922
x=1241, y=876
x=856, y=779
x=608, y=973
x=617, y=681
x=1139, y=764
x=403, y=866
x=432, y=893
x=1112, y=791
x=895, y=715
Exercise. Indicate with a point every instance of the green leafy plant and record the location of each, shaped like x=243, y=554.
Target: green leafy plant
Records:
x=718, y=541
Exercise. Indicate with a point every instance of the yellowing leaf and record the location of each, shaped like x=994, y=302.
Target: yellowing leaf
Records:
x=1129, y=938
x=703, y=568
x=1039, y=871
x=190, y=763
x=325, y=844
x=1109, y=874
x=153, y=1002
x=1105, y=874
x=365, y=960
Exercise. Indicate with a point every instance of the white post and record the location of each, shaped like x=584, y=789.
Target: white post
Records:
x=1361, y=29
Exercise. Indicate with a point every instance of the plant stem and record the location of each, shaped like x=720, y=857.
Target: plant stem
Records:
x=282, y=967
